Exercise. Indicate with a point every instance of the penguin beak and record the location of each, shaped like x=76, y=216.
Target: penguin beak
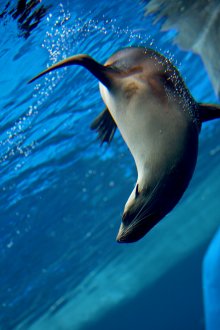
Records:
x=101, y=72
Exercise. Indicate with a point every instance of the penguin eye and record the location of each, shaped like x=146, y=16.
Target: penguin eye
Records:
x=136, y=191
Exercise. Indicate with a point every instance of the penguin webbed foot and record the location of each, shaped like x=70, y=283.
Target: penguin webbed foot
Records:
x=105, y=126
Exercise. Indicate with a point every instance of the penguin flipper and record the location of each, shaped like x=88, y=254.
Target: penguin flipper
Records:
x=105, y=126
x=208, y=111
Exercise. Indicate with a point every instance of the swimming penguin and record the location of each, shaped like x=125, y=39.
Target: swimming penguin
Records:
x=159, y=120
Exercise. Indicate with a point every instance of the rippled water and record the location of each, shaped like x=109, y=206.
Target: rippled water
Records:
x=62, y=194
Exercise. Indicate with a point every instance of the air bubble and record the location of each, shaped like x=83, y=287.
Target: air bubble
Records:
x=10, y=244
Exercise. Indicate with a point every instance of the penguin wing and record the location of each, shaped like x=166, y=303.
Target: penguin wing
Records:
x=105, y=126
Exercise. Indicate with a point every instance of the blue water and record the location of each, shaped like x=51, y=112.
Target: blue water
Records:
x=62, y=195
x=211, y=284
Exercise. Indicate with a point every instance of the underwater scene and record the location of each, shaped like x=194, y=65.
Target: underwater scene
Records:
x=63, y=192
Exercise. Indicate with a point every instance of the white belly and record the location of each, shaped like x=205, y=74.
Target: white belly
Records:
x=155, y=134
